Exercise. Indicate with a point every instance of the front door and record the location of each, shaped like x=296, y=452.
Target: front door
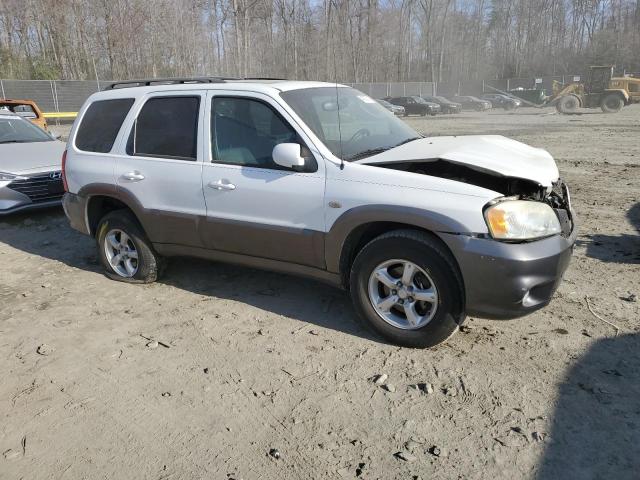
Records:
x=159, y=169
x=255, y=207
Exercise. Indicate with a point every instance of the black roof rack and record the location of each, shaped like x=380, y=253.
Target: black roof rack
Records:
x=262, y=78
x=145, y=82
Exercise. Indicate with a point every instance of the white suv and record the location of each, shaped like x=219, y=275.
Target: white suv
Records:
x=319, y=180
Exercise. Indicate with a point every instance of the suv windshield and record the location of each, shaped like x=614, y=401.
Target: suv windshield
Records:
x=364, y=128
x=17, y=130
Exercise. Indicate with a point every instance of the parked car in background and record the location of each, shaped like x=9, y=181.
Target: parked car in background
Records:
x=415, y=105
x=446, y=106
x=471, y=103
x=30, y=165
x=318, y=179
x=395, y=109
x=26, y=109
x=498, y=100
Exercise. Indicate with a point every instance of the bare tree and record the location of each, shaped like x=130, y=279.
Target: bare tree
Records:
x=345, y=40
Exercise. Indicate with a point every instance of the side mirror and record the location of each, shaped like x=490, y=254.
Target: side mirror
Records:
x=288, y=155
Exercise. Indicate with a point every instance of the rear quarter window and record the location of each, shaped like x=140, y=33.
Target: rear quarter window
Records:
x=101, y=124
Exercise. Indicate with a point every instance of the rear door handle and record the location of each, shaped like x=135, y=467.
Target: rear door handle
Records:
x=219, y=185
x=134, y=176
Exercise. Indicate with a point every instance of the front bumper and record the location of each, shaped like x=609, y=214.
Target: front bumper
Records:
x=31, y=192
x=24, y=207
x=507, y=280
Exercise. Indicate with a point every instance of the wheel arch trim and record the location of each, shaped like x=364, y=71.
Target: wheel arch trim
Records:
x=336, y=244
x=90, y=191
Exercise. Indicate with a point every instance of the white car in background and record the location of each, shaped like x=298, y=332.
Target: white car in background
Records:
x=30, y=166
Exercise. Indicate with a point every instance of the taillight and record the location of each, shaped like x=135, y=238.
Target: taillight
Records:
x=64, y=175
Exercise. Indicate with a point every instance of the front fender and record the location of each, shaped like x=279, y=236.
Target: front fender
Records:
x=356, y=217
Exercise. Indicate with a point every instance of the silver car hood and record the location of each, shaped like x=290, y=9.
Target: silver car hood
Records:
x=33, y=157
x=489, y=153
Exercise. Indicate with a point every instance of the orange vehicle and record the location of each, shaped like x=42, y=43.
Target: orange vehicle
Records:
x=26, y=109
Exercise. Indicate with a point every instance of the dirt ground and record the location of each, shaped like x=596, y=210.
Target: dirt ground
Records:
x=249, y=362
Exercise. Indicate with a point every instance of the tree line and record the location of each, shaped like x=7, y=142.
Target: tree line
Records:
x=342, y=40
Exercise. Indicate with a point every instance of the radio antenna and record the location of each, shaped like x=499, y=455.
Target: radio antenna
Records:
x=335, y=77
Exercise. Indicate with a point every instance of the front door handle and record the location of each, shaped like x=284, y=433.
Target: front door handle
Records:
x=134, y=176
x=219, y=185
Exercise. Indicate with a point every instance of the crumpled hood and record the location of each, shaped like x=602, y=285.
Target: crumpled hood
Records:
x=33, y=157
x=489, y=153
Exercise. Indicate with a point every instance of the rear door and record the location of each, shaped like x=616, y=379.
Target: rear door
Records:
x=159, y=169
x=255, y=207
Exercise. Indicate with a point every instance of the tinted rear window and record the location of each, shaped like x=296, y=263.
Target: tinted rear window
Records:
x=166, y=127
x=101, y=123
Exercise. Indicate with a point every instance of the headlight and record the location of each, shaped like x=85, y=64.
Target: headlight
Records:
x=9, y=177
x=521, y=220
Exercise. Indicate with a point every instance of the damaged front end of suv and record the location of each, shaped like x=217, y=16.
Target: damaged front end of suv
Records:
x=515, y=266
x=515, y=193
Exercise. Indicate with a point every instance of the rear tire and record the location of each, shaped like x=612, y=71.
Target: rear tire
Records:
x=612, y=103
x=434, y=263
x=568, y=104
x=124, y=250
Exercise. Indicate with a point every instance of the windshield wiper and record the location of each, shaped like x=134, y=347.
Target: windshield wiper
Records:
x=367, y=153
x=14, y=141
x=407, y=141
x=375, y=151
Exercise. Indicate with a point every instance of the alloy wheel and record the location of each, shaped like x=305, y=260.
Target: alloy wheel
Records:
x=403, y=294
x=121, y=253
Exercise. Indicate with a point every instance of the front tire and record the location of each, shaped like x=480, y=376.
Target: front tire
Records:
x=568, y=104
x=124, y=250
x=612, y=103
x=407, y=287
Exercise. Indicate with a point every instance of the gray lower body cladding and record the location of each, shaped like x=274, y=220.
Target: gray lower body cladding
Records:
x=507, y=280
x=75, y=208
x=502, y=280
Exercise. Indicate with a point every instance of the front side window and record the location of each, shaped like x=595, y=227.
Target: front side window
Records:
x=101, y=124
x=350, y=124
x=166, y=127
x=244, y=132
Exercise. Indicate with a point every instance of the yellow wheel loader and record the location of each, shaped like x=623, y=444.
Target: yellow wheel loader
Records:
x=596, y=92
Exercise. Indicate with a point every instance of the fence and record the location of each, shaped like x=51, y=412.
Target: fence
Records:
x=69, y=95
x=51, y=95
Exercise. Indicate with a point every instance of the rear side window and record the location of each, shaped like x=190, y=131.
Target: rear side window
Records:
x=101, y=123
x=167, y=127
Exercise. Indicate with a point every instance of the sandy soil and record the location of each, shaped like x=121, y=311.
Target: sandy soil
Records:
x=249, y=362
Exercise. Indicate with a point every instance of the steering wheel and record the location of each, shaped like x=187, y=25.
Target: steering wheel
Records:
x=363, y=132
